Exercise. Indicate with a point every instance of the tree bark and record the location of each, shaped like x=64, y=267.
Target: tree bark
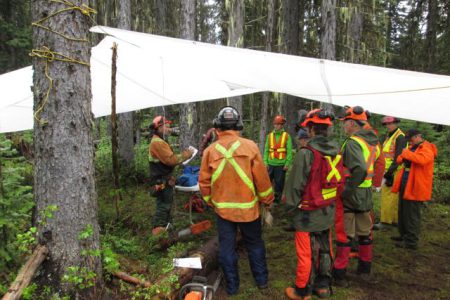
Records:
x=431, y=36
x=188, y=111
x=236, y=13
x=64, y=152
x=266, y=96
x=125, y=129
x=354, y=33
x=328, y=49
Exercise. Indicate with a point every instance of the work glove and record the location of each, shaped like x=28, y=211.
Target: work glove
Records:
x=376, y=189
x=266, y=215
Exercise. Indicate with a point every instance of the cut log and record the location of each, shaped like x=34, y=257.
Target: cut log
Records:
x=208, y=254
x=26, y=274
x=128, y=278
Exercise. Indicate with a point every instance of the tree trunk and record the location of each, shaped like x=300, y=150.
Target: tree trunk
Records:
x=125, y=129
x=328, y=49
x=354, y=33
x=432, y=25
x=289, y=32
x=64, y=152
x=236, y=13
x=188, y=111
x=266, y=96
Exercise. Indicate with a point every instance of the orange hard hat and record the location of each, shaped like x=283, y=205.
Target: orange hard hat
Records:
x=159, y=121
x=355, y=113
x=318, y=116
x=279, y=120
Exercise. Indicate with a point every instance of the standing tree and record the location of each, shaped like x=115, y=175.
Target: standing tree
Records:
x=328, y=49
x=236, y=14
x=188, y=111
x=64, y=169
x=125, y=120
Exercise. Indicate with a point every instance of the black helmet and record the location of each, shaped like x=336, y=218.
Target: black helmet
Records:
x=228, y=118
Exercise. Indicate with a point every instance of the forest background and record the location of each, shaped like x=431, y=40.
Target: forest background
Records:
x=409, y=35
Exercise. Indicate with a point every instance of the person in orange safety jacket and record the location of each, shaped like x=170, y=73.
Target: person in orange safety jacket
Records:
x=414, y=184
x=234, y=181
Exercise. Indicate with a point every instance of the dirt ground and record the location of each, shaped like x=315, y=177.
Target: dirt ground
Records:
x=397, y=273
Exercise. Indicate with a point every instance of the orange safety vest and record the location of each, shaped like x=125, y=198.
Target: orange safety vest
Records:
x=277, y=149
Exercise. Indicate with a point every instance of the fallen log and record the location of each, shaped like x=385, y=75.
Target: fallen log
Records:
x=26, y=274
x=131, y=279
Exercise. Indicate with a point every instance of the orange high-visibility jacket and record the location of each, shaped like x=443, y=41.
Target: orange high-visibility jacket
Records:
x=420, y=180
x=233, y=178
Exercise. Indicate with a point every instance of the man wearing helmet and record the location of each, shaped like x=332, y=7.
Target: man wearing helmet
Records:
x=234, y=181
x=162, y=163
x=278, y=155
x=312, y=187
x=393, y=146
x=361, y=153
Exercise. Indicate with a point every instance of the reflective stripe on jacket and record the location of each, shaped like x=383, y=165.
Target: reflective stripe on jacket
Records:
x=370, y=154
x=233, y=178
x=277, y=149
x=389, y=147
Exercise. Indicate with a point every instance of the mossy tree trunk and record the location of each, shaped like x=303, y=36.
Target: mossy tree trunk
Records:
x=64, y=152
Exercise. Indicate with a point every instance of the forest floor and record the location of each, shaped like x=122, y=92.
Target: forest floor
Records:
x=397, y=273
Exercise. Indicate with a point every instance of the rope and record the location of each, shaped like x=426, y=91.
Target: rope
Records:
x=50, y=56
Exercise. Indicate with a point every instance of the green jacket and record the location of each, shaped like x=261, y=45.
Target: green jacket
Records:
x=278, y=162
x=356, y=198
x=315, y=220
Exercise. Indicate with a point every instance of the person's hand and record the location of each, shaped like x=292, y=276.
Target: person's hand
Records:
x=376, y=189
x=187, y=153
x=285, y=168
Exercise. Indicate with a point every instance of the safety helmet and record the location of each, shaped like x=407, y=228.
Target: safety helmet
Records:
x=389, y=119
x=319, y=116
x=158, y=121
x=228, y=118
x=279, y=120
x=355, y=113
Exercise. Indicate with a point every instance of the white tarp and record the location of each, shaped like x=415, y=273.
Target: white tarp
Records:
x=155, y=71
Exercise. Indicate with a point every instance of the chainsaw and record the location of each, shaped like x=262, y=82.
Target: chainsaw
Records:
x=199, y=289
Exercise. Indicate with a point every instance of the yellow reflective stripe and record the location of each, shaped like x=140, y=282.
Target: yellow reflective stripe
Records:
x=369, y=153
x=266, y=193
x=235, y=204
x=333, y=164
x=228, y=155
x=329, y=193
x=206, y=198
x=272, y=145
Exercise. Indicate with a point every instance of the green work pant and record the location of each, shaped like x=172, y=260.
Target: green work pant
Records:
x=164, y=200
x=409, y=220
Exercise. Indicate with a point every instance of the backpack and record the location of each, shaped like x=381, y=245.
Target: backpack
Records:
x=189, y=176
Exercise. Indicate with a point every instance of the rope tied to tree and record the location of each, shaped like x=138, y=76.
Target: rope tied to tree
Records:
x=50, y=56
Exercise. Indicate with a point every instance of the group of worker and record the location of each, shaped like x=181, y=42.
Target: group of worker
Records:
x=328, y=185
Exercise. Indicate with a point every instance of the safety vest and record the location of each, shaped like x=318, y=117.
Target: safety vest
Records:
x=370, y=154
x=325, y=178
x=228, y=159
x=158, y=170
x=278, y=149
x=389, y=148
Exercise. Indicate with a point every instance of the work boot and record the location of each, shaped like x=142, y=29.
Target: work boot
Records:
x=291, y=293
x=397, y=238
x=405, y=246
x=322, y=292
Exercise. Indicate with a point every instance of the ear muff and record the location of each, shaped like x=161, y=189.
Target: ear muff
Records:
x=216, y=123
